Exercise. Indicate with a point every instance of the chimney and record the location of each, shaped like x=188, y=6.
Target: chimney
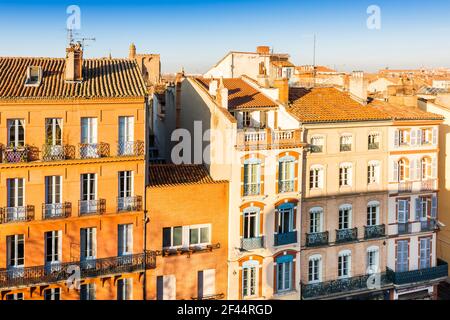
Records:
x=222, y=95
x=213, y=86
x=74, y=63
x=358, y=86
x=132, y=52
x=264, y=50
x=283, y=90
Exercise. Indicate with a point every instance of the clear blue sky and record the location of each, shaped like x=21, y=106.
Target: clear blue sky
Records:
x=197, y=33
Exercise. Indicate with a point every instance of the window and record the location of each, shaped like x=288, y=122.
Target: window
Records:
x=16, y=210
x=124, y=289
x=401, y=170
x=373, y=257
x=88, y=203
x=166, y=287
x=345, y=217
x=374, y=141
x=345, y=175
x=344, y=264
x=402, y=210
x=172, y=237
x=252, y=178
x=426, y=136
x=206, y=283
x=53, y=248
x=284, y=269
x=87, y=291
x=15, y=296
x=316, y=177
x=53, y=132
x=425, y=253
x=286, y=170
x=16, y=251
x=16, y=133
x=423, y=208
x=89, y=138
x=199, y=235
x=285, y=214
x=346, y=143
x=315, y=220
x=317, y=144
x=34, y=76
x=373, y=172
x=126, y=183
x=251, y=223
x=315, y=269
x=53, y=197
x=88, y=244
x=402, y=137
x=426, y=168
x=125, y=240
x=246, y=119
x=52, y=294
x=373, y=213
x=250, y=279
x=126, y=135
x=402, y=264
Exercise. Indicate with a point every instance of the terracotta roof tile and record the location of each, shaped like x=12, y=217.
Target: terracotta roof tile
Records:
x=283, y=64
x=103, y=78
x=241, y=95
x=330, y=105
x=171, y=175
x=399, y=112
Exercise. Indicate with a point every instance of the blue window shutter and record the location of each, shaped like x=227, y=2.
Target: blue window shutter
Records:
x=434, y=205
x=418, y=209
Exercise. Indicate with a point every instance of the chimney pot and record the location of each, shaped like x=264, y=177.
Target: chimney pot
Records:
x=132, y=52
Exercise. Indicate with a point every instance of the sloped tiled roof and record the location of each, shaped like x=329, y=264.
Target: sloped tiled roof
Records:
x=330, y=105
x=172, y=175
x=241, y=95
x=399, y=112
x=102, y=78
x=282, y=64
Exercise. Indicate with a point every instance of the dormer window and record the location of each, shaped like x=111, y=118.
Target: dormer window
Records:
x=34, y=76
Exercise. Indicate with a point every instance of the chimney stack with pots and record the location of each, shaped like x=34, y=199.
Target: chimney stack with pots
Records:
x=283, y=90
x=132, y=52
x=74, y=63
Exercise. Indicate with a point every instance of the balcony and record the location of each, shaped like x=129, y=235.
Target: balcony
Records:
x=286, y=186
x=42, y=275
x=346, y=147
x=57, y=153
x=404, y=228
x=16, y=214
x=317, y=239
x=316, y=149
x=282, y=239
x=130, y=149
x=405, y=187
x=421, y=275
x=346, y=235
x=248, y=244
x=268, y=139
x=56, y=210
x=428, y=185
x=374, y=232
x=93, y=150
x=344, y=286
x=91, y=207
x=15, y=154
x=429, y=225
x=168, y=252
x=129, y=204
x=374, y=146
x=252, y=190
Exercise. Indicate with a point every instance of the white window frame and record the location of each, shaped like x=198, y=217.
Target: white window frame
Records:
x=56, y=247
x=370, y=212
x=199, y=227
x=345, y=211
x=346, y=175
x=250, y=285
x=125, y=239
x=125, y=289
x=373, y=172
x=373, y=260
x=316, y=223
x=316, y=177
x=345, y=260
x=315, y=264
x=248, y=214
x=17, y=125
x=13, y=258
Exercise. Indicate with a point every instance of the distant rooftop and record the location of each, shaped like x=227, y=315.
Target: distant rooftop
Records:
x=173, y=175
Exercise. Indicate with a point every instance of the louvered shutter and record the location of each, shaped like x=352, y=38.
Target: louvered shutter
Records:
x=434, y=207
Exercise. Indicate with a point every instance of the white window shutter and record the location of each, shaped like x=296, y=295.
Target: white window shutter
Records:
x=395, y=172
x=414, y=138
x=377, y=173
x=350, y=175
x=396, y=139
x=321, y=178
x=435, y=136
x=130, y=238
x=185, y=237
x=209, y=282
x=434, y=168
x=412, y=169
x=169, y=288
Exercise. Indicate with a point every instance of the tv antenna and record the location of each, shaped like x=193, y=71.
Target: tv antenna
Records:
x=74, y=37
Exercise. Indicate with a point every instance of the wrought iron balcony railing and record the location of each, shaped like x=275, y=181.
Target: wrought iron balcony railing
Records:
x=16, y=214
x=91, y=207
x=167, y=252
x=316, y=149
x=345, y=286
x=317, y=239
x=15, y=154
x=252, y=189
x=93, y=150
x=42, y=275
x=429, y=225
x=404, y=228
x=57, y=152
x=249, y=244
x=428, y=185
x=405, y=187
x=282, y=239
x=346, y=147
x=421, y=275
x=374, y=146
x=56, y=210
x=130, y=148
x=129, y=204
x=346, y=235
x=286, y=186
x=373, y=232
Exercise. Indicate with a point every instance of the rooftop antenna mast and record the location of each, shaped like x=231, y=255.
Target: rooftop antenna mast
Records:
x=314, y=61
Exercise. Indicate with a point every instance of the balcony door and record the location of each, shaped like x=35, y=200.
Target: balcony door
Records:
x=88, y=202
x=125, y=201
x=89, y=138
x=206, y=283
x=53, y=132
x=125, y=245
x=252, y=178
x=425, y=253
x=402, y=263
x=286, y=174
x=16, y=199
x=16, y=133
x=285, y=219
x=88, y=246
x=250, y=279
x=251, y=224
x=53, y=196
x=126, y=135
x=16, y=254
x=53, y=250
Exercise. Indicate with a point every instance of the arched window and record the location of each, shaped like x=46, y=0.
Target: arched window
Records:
x=344, y=264
x=426, y=168
x=315, y=269
x=401, y=170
